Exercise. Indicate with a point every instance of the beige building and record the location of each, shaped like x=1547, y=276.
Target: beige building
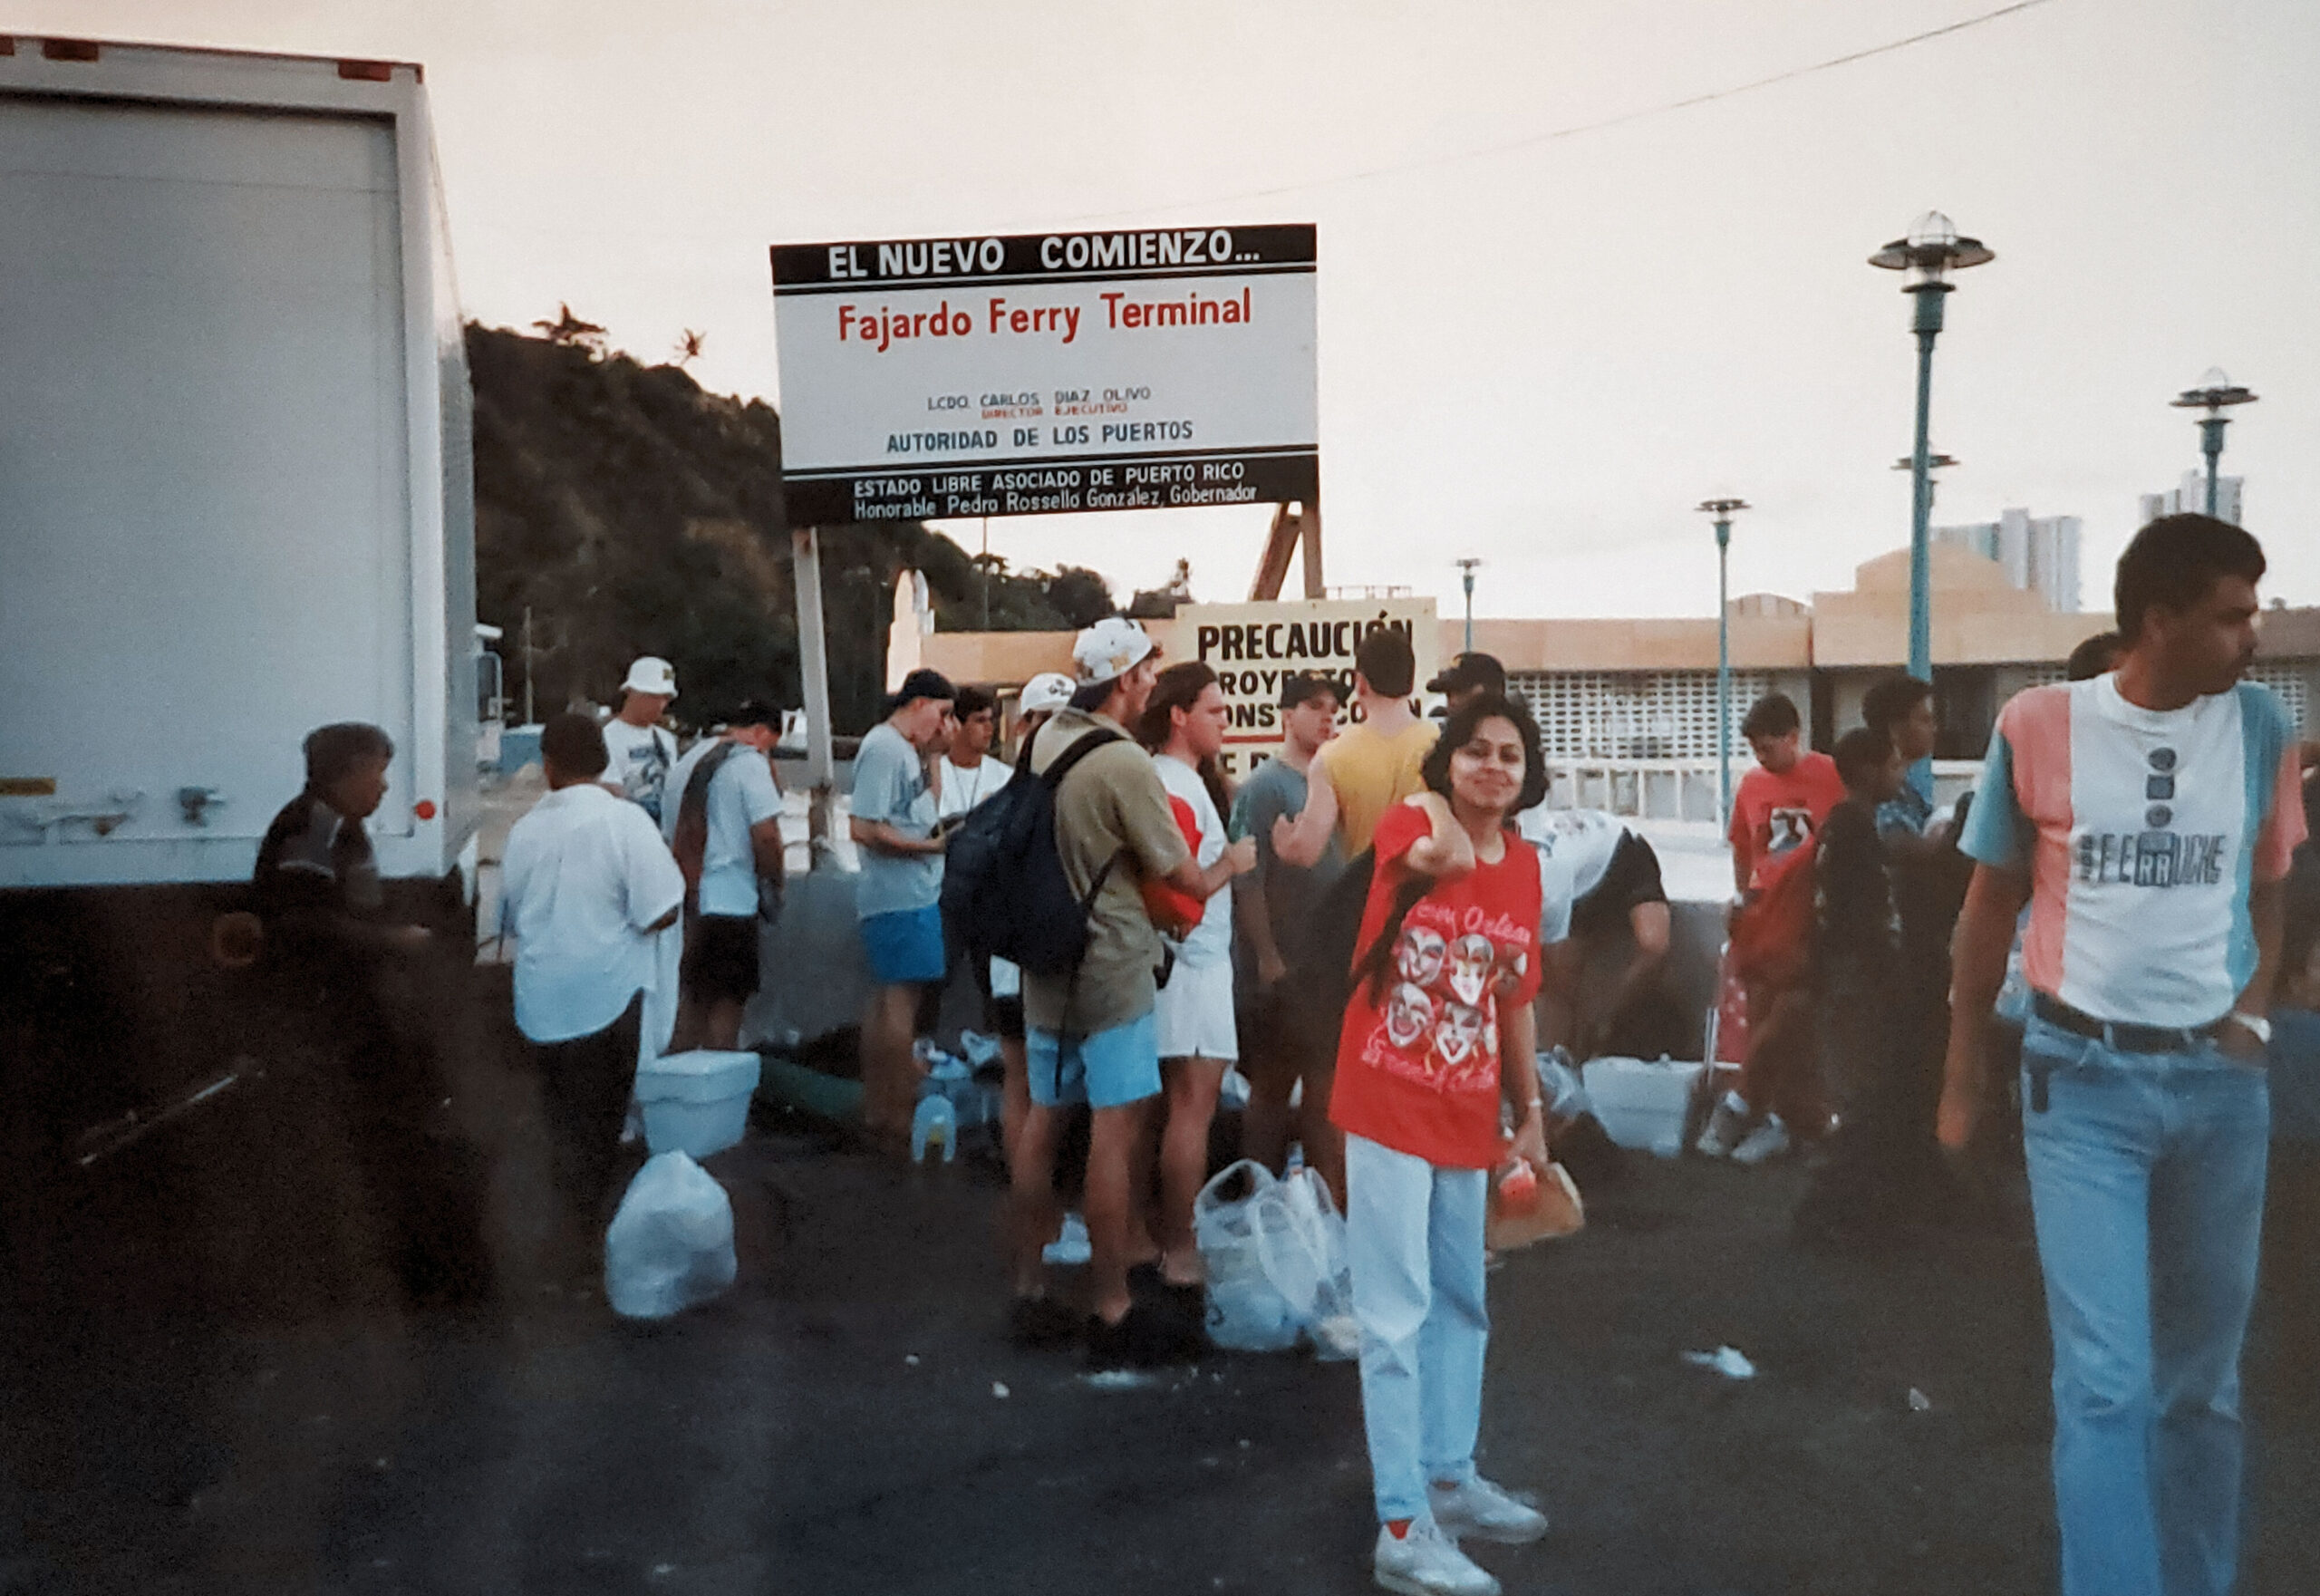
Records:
x=1626, y=708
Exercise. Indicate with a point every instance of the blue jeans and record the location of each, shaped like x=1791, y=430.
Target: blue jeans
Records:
x=2147, y=1178
x=1414, y=1240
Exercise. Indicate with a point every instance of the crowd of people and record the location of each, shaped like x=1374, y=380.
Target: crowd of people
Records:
x=1384, y=927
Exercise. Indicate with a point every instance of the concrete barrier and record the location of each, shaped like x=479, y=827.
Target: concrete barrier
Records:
x=813, y=978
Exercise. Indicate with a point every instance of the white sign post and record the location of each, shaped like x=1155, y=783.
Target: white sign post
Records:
x=1046, y=372
x=1254, y=647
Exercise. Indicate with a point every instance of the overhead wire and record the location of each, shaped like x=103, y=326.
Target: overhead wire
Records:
x=1553, y=135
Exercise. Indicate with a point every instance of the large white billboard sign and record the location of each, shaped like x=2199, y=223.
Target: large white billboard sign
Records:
x=1046, y=373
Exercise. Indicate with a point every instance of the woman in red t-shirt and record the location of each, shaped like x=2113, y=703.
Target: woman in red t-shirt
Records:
x=1438, y=1031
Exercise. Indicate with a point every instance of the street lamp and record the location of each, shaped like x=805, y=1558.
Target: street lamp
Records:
x=1722, y=509
x=1466, y=572
x=2215, y=394
x=1937, y=463
x=1931, y=250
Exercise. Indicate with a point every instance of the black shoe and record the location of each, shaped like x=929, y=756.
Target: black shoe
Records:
x=1177, y=1312
x=1110, y=1347
x=1146, y=1337
x=1041, y=1323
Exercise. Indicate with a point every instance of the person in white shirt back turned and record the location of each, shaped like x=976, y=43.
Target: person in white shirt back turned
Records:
x=585, y=884
x=722, y=820
x=642, y=751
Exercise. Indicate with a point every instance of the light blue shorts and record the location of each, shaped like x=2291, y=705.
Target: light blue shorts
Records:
x=905, y=946
x=1108, y=1069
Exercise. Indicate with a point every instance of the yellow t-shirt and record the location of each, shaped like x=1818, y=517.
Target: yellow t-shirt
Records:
x=1370, y=774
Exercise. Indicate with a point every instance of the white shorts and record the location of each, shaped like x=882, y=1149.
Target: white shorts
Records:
x=1195, y=1013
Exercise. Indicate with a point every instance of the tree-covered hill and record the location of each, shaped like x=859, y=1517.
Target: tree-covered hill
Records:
x=634, y=513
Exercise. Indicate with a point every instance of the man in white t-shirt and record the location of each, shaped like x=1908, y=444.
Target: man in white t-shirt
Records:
x=726, y=832
x=586, y=883
x=2147, y=819
x=1184, y=726
x=970, y=775
x=1600, y=885
x=642, y=751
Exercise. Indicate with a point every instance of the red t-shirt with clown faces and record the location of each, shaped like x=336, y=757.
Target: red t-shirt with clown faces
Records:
x=1417, y=1061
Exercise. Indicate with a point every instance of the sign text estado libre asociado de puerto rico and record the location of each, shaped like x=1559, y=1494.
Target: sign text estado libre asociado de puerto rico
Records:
x=1046, y=372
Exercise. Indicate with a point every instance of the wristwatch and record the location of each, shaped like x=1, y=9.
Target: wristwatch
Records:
x=2254, y=1025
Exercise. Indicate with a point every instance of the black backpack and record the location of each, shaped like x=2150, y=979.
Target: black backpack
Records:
x=1004, y=892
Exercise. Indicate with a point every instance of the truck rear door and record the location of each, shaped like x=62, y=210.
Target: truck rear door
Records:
x=204, y=477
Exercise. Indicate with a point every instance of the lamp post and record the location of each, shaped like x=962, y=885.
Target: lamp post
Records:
x=1928, y=253
x=1467, y=574
x=1723, y=509
x=2215, y=394
x=1937, y=463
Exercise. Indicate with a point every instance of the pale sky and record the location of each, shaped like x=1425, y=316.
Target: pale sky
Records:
x=1542, y=350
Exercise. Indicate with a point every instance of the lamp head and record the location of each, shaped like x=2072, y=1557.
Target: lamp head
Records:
x=2215, y=392
x=1931, y=249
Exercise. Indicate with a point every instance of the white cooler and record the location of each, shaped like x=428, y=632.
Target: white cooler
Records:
x=696, y=1103
x=1644, y=1104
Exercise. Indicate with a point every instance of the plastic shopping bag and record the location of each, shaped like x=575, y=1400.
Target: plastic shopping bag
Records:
x=1246, y=1310
x=671, y=1244
x=1306, y=1259
x=1526, y=1206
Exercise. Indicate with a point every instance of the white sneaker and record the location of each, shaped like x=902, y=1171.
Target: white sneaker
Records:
x=1486, y=1512
x=1426, y=1562
x=1727, y=1123
x=1768, y=1140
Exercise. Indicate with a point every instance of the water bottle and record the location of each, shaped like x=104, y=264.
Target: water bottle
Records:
x=935, y=1122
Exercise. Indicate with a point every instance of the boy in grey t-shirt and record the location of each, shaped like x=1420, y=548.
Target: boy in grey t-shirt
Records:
x=1274, y=909
x=898, y=897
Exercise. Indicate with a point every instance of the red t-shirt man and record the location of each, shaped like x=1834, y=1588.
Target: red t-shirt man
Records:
x=1417, y=1060
x=1776, y=818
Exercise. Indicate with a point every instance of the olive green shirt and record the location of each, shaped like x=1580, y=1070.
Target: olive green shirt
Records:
x=1111, y=806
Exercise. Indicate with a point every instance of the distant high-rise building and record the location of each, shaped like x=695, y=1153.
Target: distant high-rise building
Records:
x=2040, y=553
x=2191, y=495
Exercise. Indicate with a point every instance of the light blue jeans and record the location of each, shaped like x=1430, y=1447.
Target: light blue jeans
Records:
x=1414, y=1238
x=2147, y=1178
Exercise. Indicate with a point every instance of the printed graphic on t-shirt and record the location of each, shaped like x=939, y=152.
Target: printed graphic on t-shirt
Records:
x=1440, y=1021
x=2155, y=857
x=1786, y=831
x=647, y=776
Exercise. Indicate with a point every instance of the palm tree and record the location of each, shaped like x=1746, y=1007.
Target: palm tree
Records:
x=688, y=347
x=570, y=330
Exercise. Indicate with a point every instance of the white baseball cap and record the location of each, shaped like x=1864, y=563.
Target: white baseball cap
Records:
x=1048, y=690
x=1110, y=649
x=652, y=673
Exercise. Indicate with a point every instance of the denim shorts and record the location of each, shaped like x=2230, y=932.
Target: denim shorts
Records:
x=1105, y=1070
x=905, y=946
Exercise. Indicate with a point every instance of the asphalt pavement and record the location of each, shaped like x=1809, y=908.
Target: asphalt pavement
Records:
x=211, y=1385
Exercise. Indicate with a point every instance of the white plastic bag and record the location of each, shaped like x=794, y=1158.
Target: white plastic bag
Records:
x=1276, y=1260
x=671, y=1244
x=1302, y=1239
x=1246, y=1311
x=1306, y=1259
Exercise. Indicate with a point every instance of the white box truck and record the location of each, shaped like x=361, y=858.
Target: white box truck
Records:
x=235, y=504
